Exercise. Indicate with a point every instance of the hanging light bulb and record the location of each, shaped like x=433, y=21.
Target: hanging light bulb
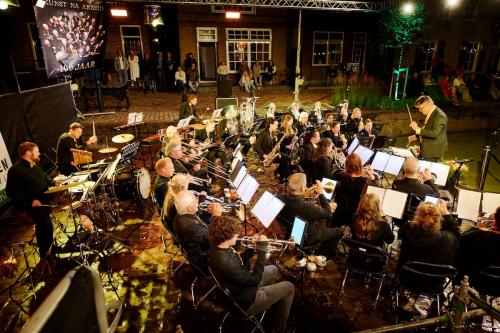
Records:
x=4, y=5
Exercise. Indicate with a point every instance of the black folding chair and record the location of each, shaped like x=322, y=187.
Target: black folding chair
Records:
x=424, y=279
x=235, y=309
x=76, y=305
x=487, y=282
x=367, y=260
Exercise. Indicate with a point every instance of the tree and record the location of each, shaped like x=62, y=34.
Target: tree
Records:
x=402, y=30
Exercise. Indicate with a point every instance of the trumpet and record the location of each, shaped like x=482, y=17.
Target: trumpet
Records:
x=273, y=244
x=226, y=206
x=329, y=187
x=195, y=180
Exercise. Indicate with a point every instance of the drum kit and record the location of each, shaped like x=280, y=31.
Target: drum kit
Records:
x=120, y=139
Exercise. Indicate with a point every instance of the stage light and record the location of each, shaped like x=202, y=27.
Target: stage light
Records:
x=408, y=8
x=233, y=15
x=119, y=12
x=153, y=15
x=4, y=5
x=452, y=3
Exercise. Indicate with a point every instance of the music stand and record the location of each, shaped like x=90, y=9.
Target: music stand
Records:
x=246, y=191
x=299, y=231
x=366, y=141
x=267, y=208
x=129, y=151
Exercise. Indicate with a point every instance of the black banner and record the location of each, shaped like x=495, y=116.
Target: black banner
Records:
x=72, y=34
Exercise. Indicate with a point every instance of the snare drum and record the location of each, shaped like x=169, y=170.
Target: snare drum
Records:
x=143, y=182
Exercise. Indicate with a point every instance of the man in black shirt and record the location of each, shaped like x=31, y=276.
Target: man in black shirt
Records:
x=165, y=170
x=255, y=291
x=297, y=205
x=68, y=141
x=26, y=184
x=188, y=109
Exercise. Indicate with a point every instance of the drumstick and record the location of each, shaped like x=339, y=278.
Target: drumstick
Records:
x=93, y=128
x=409, y=113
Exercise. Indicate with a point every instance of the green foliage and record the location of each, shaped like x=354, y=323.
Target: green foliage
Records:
x=386, y=103
x=401, y=30
x=371, y=96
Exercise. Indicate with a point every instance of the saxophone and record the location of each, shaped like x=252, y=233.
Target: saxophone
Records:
x=270, y=157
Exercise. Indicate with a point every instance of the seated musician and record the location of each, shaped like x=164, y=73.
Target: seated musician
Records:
x=479, y=247
x=177, y=184
x=355, y=123
x=188, y=109
x=288, y=130
x=170, y=134
x=67, y=141
x=368, y=130
x=368, y=223
x=181, y=162
x=323, y=161
x=303, y=122
x=338, y=139
x=208, y=140
x=297, y=205
x=26, y=184
x=164, y=170
x=190, y=230
x=349, y=187
x=329, y=118
x=267, y=139
x=432, y=237
x=254, y=290
x=309, y=144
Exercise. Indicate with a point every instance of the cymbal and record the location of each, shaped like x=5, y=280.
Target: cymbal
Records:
x=197, y=127
x=87, y=171
x=108, y=150
x=60, y=188
x=122, y=138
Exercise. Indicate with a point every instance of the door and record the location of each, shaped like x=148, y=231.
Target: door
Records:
x=208, y=61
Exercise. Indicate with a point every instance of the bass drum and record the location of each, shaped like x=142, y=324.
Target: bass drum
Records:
x=143, y=183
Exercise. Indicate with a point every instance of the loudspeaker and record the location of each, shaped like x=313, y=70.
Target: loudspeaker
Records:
x=222, y=102
x=224, y=88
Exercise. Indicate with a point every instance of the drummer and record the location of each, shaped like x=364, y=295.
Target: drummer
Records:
x=188, y=109
x=67, y=141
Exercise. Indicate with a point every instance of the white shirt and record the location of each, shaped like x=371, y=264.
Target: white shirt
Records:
x=120, y=59
x=181, y=76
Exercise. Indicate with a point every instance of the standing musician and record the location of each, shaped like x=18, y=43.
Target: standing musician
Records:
x=188, y=109
x=338, y=139
x=432, y=136
x=67, y=141
x=26, y=184
x=323, y=161
x=368, y=130
x=164, y=170
x=297, y=205
x=289, y=132
x=355, y=124
x=208, y=136
x=254, y=290
x=303, y=122
x=267, y=139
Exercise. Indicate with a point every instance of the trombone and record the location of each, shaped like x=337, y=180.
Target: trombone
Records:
x=195, y=180
x=226, y=206
x=274, y=244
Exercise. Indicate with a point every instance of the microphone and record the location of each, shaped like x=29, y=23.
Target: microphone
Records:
x=464, y=160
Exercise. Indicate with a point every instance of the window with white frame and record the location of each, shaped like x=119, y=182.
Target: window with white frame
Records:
x=359, y=46
x=429, y=49
x=131, y=39
x=327, y=48
x=249, y=45
x=205, y=34
x=468, y=55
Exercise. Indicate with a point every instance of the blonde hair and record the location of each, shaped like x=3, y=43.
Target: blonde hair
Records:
x=177, y=184
x=289, y=130
x=173, y=144
x=428, y=217
x=366, y=215
x=183, y=201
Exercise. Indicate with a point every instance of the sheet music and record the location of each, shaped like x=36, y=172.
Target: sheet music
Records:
x=234, y=163
x=364, y=153
x=468, y=204
x=401, y=152
x=324, y=181
x=490, y=202
x=376, y=190
x=131, y=118
x=441, y=171
x=183, y=122
x=394, y=203
x=267, y=208
x=394, y=165
x=353, y=145
x=424, y=165
x=380, y=161
x=239, y=155
x=247, y=189
x=239, y=177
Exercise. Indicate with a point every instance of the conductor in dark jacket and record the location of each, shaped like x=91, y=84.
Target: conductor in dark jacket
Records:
x=255, y=291
x=26, y=184
x=265, y=142
x=191, y=231
x=432, y=136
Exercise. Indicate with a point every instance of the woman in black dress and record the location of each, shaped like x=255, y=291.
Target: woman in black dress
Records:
x=368, y=224
x=311, y=139
x=288, y=130
x=322, y=161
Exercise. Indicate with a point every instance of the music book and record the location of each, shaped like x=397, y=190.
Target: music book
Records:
x=439, y=169
x=330, y=182
x=216, y=113
x=490, y=202
x=247, y=189
x=364, y=153
x=401, y=152
x=353, y=145
x=267, y=208
x=387, y=163
x=135, y=117
x=239, y=176
x=183, y=122
x=468, y=204
x=392, y=202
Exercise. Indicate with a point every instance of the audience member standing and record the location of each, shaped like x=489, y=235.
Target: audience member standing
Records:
x=160, y=68
x=133, y=59
x=121, y=67
x=190, y=60
x=170, y=71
